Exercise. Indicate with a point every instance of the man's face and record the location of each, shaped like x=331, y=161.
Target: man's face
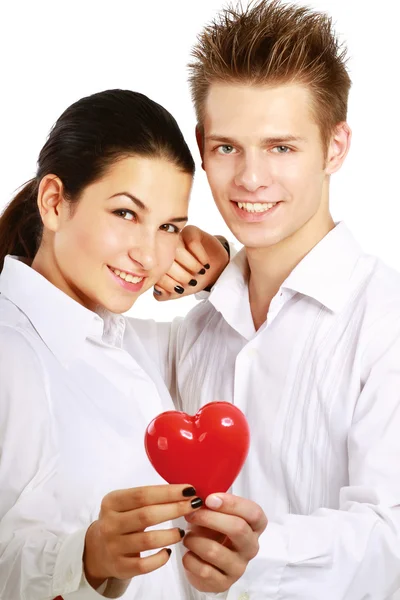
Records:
x=264, y=159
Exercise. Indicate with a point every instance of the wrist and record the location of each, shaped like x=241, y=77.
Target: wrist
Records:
x=224, y=242
x=93, y=571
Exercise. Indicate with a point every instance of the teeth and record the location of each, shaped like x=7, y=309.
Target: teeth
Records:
x=255, y=206
x=127, y=276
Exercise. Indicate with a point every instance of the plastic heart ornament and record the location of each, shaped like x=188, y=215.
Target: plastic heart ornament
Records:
x=206, y=450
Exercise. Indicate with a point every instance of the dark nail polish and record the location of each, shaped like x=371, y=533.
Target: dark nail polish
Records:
x=182, y=533
x=189, y=492
x=202, y=272
x=157, y=292
x=169, y=551
x=207, y=266
x=179, y=289
x=193, y=282
x=196, y=503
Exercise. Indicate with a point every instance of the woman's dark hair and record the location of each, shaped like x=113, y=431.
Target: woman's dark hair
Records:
x=88, y=137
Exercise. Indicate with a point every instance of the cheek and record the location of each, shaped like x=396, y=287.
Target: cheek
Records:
x=219, y=173
x=166, y=251
x=98, y=240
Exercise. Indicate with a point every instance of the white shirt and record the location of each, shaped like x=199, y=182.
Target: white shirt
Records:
x=319, y=383
x=76, y=393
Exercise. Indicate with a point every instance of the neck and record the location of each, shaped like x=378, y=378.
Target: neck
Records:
x=45, y=263
x=270, y=266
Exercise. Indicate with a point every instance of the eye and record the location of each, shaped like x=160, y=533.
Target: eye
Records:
x=225, y=149
x=281, y=149
x=169, y=228
x=127, y=215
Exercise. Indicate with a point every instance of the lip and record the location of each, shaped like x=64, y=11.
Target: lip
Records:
x=127, y=285
x=254, y=217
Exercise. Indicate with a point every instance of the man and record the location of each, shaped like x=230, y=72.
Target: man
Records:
x=302, y=331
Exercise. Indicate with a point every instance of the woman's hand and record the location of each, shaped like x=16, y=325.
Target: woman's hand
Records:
x=222, y=541
x=199, y=261
x=114, y=542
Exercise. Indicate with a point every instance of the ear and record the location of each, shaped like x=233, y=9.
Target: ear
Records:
x=338, y=148
x=51, y=201
x=200, y=143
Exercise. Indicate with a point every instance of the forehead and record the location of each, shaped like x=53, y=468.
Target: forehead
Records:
x=157, y=182
x=243, y=111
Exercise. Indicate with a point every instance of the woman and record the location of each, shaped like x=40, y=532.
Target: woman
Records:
x=99, y=225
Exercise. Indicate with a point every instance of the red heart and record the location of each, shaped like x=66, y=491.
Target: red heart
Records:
x=206, y=450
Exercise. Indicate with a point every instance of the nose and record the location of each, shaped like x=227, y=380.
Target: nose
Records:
x=253, y=172
x=142, y=251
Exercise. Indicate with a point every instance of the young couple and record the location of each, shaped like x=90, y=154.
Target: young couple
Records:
x=301, y=331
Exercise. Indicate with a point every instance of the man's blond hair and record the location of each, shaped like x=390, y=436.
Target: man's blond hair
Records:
x=272, y=43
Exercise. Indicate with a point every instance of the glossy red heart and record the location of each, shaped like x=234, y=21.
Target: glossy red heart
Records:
x=206, y=450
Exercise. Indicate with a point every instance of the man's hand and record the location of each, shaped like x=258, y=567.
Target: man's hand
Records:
x=222, y=540
x=199, y=261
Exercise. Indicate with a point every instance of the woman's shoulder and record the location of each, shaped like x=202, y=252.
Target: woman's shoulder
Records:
x=11, y=317
x=17, y=336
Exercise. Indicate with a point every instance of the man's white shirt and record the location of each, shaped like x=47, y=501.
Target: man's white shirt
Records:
x=319, y=383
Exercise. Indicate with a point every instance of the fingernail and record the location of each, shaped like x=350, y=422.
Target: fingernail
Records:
x=202, y=271
x=169, y=551
x=157, y=292
x=182, y=533
x=207, y=266
x=188, y=492
x=196, y=503
x=179, y=289
x=213, y=502
x=192, y=282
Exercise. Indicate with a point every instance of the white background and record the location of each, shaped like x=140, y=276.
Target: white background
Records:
x=53, y=53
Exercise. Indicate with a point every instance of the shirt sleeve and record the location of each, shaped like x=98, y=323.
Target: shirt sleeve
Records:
x=352, y=553
x=38, y=559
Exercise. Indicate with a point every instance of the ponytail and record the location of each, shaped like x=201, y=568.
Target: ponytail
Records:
x=21, y=225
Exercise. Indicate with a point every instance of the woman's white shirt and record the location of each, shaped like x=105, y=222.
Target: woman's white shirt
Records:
x=77, y=390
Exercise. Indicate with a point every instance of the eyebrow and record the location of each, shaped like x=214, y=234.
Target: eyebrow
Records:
x=143, y=207
x=268, y=141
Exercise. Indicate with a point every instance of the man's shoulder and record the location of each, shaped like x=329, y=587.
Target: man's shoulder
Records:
x=382, y=287
x=199, y=323
x=200, y=315
x=377, y=306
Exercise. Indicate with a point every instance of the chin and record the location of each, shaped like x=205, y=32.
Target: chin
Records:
x=118, y=307
x=258, y=239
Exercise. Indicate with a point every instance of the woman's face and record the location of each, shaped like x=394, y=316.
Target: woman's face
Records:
x=121, y=235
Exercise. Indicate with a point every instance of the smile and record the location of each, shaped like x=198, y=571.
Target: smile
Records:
x=257, y=207
x=128, y=277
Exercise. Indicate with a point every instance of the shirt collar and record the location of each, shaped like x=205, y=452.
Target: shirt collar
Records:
x=324, y=274
x=61, y=322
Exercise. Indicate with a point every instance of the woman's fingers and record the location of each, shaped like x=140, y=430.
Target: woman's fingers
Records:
x=128, y=567
x=134, y=543
x=131, y=498
x=140, y=519
x=189, y=261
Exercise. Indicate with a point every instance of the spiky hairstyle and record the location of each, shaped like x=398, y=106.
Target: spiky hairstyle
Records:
x=273, y=43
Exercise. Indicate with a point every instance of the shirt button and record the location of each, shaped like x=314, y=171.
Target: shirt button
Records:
x=251, y=352
x=244, y=596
